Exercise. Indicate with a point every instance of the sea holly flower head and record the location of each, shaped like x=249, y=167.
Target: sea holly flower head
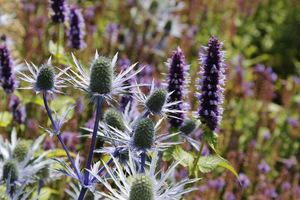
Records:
x=212, y=79
x=156, y=102
x=10, y=167
x=21, y=150
x=141, y=188
x=144, y=134
x=101, y=81
x=133, y=185
x=114, y=118
x=43, y=78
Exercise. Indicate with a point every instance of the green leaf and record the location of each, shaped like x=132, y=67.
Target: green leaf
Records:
x=212, y=139
x=5, y=118
x=33, y=99
x=174, y=130
x=186, y=158
x=53, y=48
x=208, y=163
x=45, y=193
x=60, y=102
x=168, y=154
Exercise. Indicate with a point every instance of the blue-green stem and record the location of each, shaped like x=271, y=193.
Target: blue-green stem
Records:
x=199, y=154
x=58, y=135
x=143, y=161
x=99, y=101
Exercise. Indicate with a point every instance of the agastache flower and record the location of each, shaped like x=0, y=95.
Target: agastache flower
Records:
x=212, y=79
x=76, y=32
x=19, y=113
x=177, y=80
x=59, y=9
x=7, y=77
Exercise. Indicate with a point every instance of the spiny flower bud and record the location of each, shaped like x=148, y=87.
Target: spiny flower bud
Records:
x=113, y=118
x=10, y=166
x=21, y=150
x=141, y=188
x=156, y=100
x=76, y=27
x=46, y=77
x=7, y=78
x=44, y=172
x=188, y=126
x=101, y=76
x=212, y=79
x=144, y=134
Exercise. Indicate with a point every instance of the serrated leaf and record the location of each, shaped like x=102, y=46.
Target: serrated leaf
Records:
x=186, y=158
x=33, y=99
x=212, y=139
x=168, y=154
x=208, y=163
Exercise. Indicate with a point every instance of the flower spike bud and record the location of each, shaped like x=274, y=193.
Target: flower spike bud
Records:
x=156, y=100
x=59, y=8
x=21, y=150
x=76, y=27
x=101, y=76
x=144, y=134
x=141, y=188
x=7, y=77
x=114, y=119
x=212, y=79
x=10, y=167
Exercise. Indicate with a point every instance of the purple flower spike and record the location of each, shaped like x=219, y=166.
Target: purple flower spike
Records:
x=76, y=27
x=19, y=114
x=177, y=81
x=59, y=9
x=212, y=79
x=7, y=77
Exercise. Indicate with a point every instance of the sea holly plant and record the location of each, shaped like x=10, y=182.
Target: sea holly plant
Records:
x=134, y=142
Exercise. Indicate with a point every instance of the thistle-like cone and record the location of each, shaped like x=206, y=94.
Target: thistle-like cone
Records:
x=141, y=188
x=10, y=166
x=188, y=126
x=46, y=77
x=113, y=118
x=144, y=134
x=101, y=76
x=21, y=150
x=44, y=172
x=156, y=100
